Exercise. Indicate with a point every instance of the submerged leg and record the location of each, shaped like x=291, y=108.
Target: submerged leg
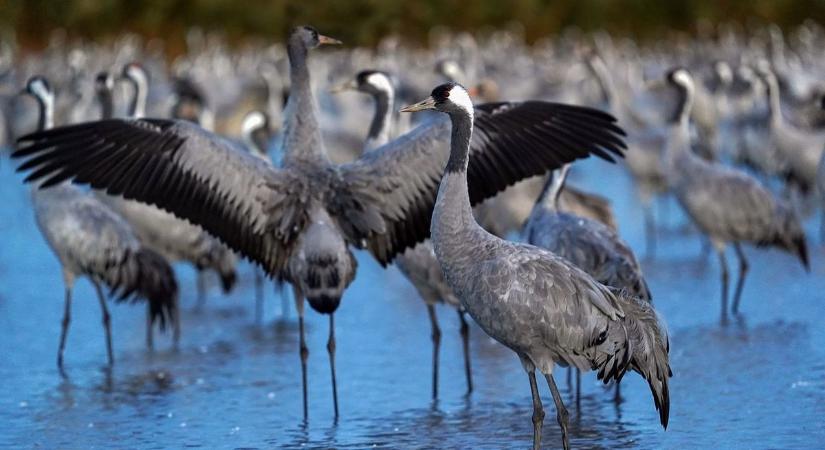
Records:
x=538, y=411
x=578, y=388
x=201, y=290
x=67, y=317
x=436, y=338
x=561, y=411
x=106, y=321
x=150, y=332
x=302, y=346
x=259, y=296
x=331, y=350
x=650, y=233
x=723, y=264
x=281, y=287
x=176, y=322
x=743, y=271
x=822, y=228
x=465, y=339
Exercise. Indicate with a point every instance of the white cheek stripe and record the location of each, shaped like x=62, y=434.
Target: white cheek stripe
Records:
x=380, y=81
x=460, y=97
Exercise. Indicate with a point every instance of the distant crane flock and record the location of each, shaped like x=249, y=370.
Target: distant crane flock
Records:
x=568, y=292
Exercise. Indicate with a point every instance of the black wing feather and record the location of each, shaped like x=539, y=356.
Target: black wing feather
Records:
x=511, y=142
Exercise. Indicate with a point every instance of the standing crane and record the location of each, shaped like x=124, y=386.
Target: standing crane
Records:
x=727, y=205
x=91, y=240
x=534, y=302
x=300, y=220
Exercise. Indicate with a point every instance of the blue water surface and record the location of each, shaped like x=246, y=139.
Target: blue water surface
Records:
x=758, y=382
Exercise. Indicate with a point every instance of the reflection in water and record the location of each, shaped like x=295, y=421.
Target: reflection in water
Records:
x=754, y=383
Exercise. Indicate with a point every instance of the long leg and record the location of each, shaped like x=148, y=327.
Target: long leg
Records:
x=569, y=377
x=67, y=317
x=538, y=411
x=436, y=338
x=617, y=395
x=822, y=227
x=201, y=280
x=743, y=271
x=650, y=233
x=106, y=321
x=150, y=332
x=176, y=322
x=331, y=350
x=561, y=411
x=259, y=296
x=465, y=339
x=663, y=205
x=302, y=346
x=578, y=389
x=281, y=287
x=724, y=268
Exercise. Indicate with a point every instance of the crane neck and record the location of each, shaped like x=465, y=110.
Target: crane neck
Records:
x=774, y=102
x=462, y=130
x=106, y=102
x=137, y=106
x=550, y=193
x=605, y=81
x=45, y=117
x=302, y=135
x=686, y=97
x=453, y=216
x=379, y=132
x=256, y=140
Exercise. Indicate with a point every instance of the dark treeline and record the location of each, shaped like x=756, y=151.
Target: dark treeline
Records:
x=362, y=22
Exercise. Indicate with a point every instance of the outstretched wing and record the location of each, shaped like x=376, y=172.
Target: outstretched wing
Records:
x=388, y=195
x=253, y=208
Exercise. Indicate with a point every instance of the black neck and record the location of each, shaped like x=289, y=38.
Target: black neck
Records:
x=681, y=106
x=133, y=104
x=41, y=116
x=460, y=141
x=45, y=116
x=104, y=98
x=379, y=120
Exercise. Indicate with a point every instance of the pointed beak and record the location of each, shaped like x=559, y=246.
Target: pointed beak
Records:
x=350, y=85
x=428, y=103
x=326, y=40
x=473, y=92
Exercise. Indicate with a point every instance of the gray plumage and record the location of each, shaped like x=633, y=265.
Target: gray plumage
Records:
x=799, y=150
x=91, y=240
x=727, y=205
x=645, y=143
x=176, y=239
x=588, y=205
x=256, y=134
x=382, y=201
x=588, y=244
x=417, y=264
x=536, y=303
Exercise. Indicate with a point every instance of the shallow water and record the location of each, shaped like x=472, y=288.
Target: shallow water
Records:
x=758, y=382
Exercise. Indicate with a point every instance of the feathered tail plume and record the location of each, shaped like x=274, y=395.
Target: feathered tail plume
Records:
x=650, y=350
x=788, y=234
x=639, y=342
x=226, y=269
x=219, y=258
x=145, y=275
